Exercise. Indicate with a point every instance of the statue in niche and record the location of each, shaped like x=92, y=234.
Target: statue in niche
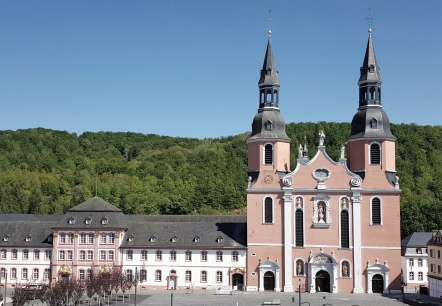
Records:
x=344, y=203
x=344, y=269
x=299, y=268
x=321, y=213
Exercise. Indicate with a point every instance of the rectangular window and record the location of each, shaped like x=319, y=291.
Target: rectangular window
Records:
x=62, y=238
x=268, y=210
x=438, y=253
x=35, y=274
x=102, y=255
x=70, y=238
x=25, y=255
x=14, y=254
x=129, y=255
x=88, y=273
x=158, y=275
x=188, y=256
x=48, y=254
x=438, y=269
x=111, y=239
x=61, y=255
x=36, y=255
x=431, y=252
x=203, y=255
x=82, y=255
x=432, y=267
x=419, y=262
x=144, y=255
x=24, y=273
x=103, y=238
x=411, y=276
x=3, y=254
x=70, y=255
x=90, y=239
x=81, y=274
x=90, y=255
x=158, y=255
x=188, y=276
x=219, y=276
x=411, y=262
x=204, y=276
x=13, y=273
x=219, y=256
x=172, y=256
x=235, y=256
x=110, y=255
x=2, y=272
x=143, y=275
x=345, y=232
x=46, y=274
x=83, y=238
x=420, y=276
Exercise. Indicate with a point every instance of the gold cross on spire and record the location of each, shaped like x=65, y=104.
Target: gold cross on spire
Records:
x=269, y=21
x=369, y=19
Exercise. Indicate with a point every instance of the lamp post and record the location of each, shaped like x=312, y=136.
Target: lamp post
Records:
x=136, y=284
x=6, y=283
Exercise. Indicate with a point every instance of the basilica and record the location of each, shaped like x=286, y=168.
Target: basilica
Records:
x=318, y=226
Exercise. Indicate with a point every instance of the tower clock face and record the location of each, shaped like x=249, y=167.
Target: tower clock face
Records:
x=268, y=179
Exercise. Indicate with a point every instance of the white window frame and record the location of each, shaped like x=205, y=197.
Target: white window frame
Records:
x=380, y=153
x=264, y=208
x=204, y=255
x=380, y=208
x=219, y=277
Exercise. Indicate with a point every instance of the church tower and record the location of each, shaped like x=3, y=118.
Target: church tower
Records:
x=371, y=145
x=268, y=161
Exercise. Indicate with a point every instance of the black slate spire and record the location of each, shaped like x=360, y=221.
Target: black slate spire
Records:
x=370, y=79
x=370, y=121
x=269, y=124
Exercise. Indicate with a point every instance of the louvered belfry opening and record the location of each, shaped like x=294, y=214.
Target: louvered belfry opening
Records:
x=268, y=210
x=268, y=154
x=376, y=211
x=375, y=154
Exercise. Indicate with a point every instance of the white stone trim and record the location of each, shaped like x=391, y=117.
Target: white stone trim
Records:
x=357, y=242
x=288, y=272
x=330, y=267
x=374, y=269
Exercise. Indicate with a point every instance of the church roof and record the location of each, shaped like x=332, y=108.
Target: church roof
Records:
x=95, y=204
x=370, y=69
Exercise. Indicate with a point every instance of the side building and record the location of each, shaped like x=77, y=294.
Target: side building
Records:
x=326, y=226
x=414, y=261
x=167, y=252
x=435, y=265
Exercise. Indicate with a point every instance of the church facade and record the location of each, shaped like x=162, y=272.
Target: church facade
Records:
x=319, y=226
x=326, y=226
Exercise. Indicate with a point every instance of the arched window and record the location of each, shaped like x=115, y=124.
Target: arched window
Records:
x=268, y=210
x=299, y=228
x=376, y=216
x=375, y=154
x=345, y=238
x=299, y=268
x=268, y=154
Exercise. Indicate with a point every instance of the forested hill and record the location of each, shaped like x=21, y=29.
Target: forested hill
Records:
x=47, y=171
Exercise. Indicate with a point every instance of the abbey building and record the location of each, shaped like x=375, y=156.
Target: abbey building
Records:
x=322, y=225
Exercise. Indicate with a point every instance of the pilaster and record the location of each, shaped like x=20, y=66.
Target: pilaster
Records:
x=357, y=250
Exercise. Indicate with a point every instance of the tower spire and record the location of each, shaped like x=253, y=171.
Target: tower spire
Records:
x=370, y=121
x=269, y=122
x=370, y=80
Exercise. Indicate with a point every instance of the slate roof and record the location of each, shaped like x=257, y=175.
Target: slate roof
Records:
x=39, y=231
x=95, y=204
x=367, y=74
x=232, y=230
x=415, y=240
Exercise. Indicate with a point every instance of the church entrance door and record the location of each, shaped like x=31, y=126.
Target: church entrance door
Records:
x=269, y=281
x=377, y=283
x=322, y=281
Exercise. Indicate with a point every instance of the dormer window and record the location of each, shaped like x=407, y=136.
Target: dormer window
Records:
x=88, y=221
x=196, y=239
x=174, y=239
x=152, y=239
x=71, y=221
x=131, y=238
x=268, y=126
x=28, y=238
x=6, y=238
x=371, y=68
x=373, y=123
x=219, y=239
x=104, y=221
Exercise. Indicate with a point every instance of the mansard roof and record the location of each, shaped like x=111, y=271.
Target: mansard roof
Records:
x=212, y=231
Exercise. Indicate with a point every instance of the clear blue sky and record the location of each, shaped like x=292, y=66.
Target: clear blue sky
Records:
x=190, y=68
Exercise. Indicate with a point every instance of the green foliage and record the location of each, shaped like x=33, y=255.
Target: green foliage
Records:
x=46, y=171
